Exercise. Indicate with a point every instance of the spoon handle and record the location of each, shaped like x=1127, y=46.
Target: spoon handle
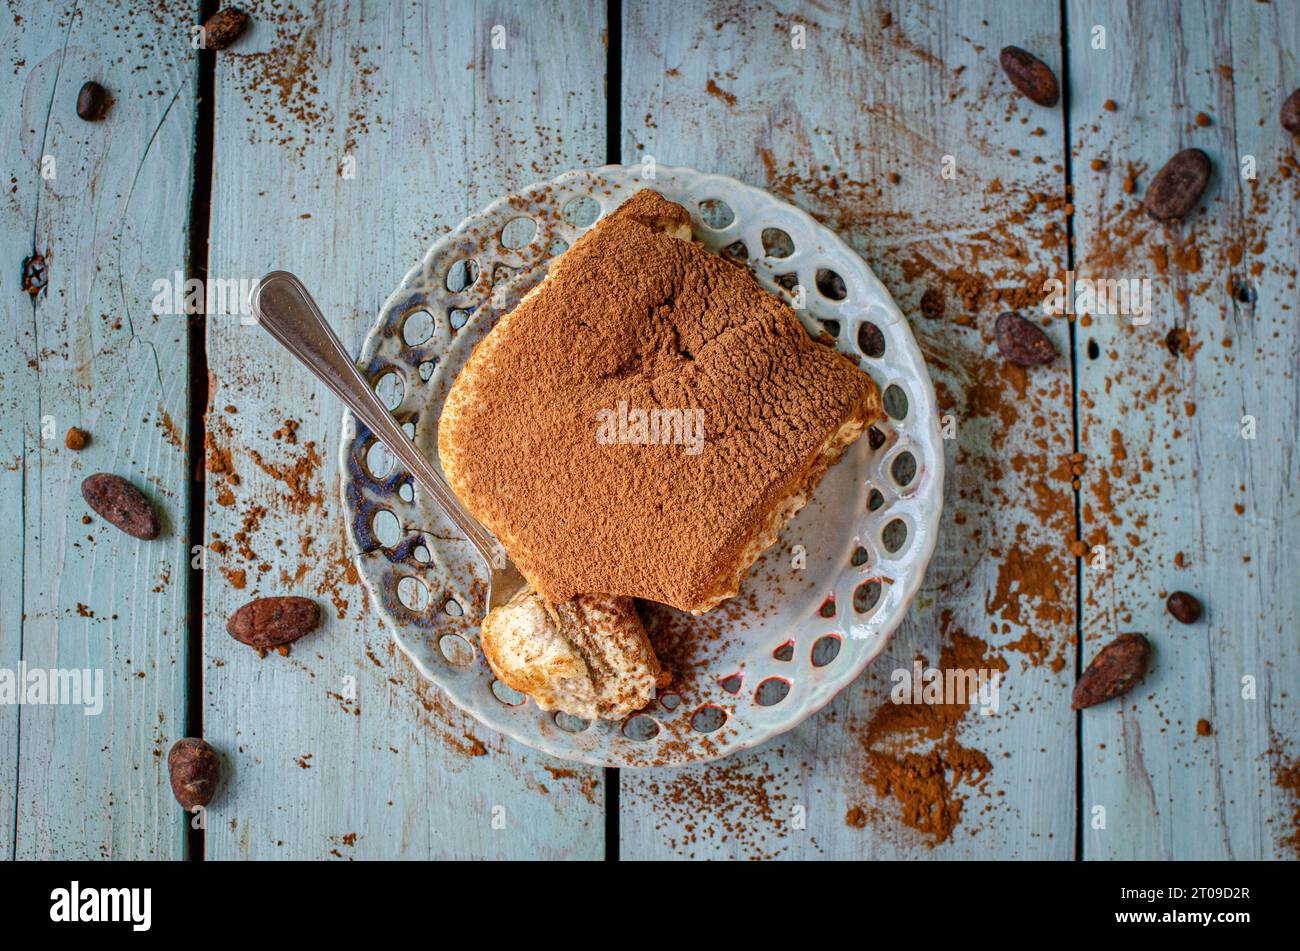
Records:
x=287, y=312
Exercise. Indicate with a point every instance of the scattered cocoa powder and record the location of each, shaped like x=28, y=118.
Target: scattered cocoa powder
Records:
x=713, y=89
x=171, y=432
x=920, y=771
x=1286, y=775
x=742, y=804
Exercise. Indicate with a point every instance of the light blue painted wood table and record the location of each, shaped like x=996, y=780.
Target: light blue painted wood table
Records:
x=339, y=140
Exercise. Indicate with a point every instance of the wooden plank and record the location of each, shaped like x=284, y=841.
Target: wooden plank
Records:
x=109, y=217
x=348, y=138
x=1178, y=496
x=885, y=89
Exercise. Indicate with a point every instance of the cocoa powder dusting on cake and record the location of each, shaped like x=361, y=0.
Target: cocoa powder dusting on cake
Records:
x=633, y=319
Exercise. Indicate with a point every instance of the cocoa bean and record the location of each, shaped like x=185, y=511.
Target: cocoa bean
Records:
x=1022, y=342
x=1030, y=75
x=1185, y=607
x=1291, y=113
x=270, y=622
x=1115, y=670
x=224, y=27
x=1178, y=186
x=120, y=504
x=195, y=772
x=93, y=101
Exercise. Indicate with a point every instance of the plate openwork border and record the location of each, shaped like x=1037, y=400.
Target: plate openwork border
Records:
x=775, y=670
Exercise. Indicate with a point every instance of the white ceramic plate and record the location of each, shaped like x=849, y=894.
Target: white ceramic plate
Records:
x=815, y=610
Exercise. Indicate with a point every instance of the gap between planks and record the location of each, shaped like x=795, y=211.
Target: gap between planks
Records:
x=1075, y=423
x=196, y=424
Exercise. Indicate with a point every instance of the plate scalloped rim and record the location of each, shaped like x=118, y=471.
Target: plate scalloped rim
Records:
x=919, y=433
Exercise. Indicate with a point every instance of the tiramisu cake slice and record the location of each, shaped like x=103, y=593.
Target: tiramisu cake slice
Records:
x=644, y=423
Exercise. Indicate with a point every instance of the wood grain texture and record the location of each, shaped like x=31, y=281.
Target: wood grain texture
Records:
x=348, y=138
x=721, y=88
x=109, y=216
x=1181, y=500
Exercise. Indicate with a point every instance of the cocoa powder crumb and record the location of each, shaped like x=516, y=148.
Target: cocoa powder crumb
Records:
x=932, y=303
x=713, y=89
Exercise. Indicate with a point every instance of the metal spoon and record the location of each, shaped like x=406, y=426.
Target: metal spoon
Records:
x=286, y=310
